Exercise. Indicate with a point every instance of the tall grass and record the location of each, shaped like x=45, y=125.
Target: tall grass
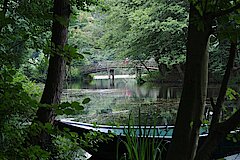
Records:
x=141, y=142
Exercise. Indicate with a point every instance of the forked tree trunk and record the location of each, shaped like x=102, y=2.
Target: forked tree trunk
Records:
x=218, y=131
x=191, y=107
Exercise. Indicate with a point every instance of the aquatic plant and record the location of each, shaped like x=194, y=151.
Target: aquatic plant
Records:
x=141, y=143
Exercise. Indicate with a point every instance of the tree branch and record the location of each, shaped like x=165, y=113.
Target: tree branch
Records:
x=218, y=131
x=223, y=89
x=236, y=68
x=216, y=3
x=226, y=11
x=212, y=104
x=5, y=6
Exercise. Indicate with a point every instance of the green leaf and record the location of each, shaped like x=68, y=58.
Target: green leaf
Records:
x=68, y=111
x=95, y=125
x=86, y=100
x=74, y=134
x=228, y=138
x=48, y=126
x=191, y=124
x=64, y=105
x=205, y=121
x=77, y=106
x=66, y=129
x=234, y=140
x=74, y=104
x=87, y=52
x=80, y=56
x=59, y=111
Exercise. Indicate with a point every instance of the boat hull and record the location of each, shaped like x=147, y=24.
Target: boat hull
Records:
x=110, y=149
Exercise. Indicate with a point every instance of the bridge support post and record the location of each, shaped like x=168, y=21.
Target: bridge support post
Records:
x=111, y=74
x=112, y=83
x=138, y=72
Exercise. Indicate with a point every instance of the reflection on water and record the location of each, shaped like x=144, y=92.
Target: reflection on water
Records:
x=113, y=102
x=130, y=88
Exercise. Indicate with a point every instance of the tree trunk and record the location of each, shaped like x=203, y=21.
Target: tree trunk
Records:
x=4, y=11
x=56, y=72
x=191, y=107
x=161, y=67
x=218, y=131
x=180, y=71
x=217, y=108
x=57, y=64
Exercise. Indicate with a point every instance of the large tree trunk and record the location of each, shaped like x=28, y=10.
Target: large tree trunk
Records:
x=191, y=107
x=56, y=71
x=57, y=64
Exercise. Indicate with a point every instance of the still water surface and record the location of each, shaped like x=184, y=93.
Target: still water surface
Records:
x=113, y=102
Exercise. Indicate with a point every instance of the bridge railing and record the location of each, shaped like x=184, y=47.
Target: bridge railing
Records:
x=106, y=65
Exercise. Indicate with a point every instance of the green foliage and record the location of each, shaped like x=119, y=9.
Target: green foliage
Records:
x=232, y=94
x=143, y=145
x=26, y=26
x=218, y=56
x=69, y=108
x=17, y=109
x=34, y=152
x=233, y=137
x=84, y=32
x=153, y=76
x=36, y=69
x=147, y=29
x=28, y=86
x=91, y=139
x=85, y=5
x=74, y=73
x=16, y=93
x=25, y=31
x=67, y=148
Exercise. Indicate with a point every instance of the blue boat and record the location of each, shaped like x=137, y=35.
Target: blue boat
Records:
x=108, y=150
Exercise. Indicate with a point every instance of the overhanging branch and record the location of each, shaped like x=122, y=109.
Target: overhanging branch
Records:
x=226, y=11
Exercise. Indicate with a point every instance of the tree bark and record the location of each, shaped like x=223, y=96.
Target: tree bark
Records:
x=4, y=10
x=180, y=71
x=5, y=6
x=57, y=64
x=218, y=131
x=218, y=106
x=56, y=73
x=191, y=107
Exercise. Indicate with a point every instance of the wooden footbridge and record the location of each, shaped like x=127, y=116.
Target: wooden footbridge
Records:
x=110, y=66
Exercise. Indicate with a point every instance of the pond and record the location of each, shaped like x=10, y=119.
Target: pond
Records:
x=112, y=103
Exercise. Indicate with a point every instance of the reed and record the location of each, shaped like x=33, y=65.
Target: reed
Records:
x=141, y=142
